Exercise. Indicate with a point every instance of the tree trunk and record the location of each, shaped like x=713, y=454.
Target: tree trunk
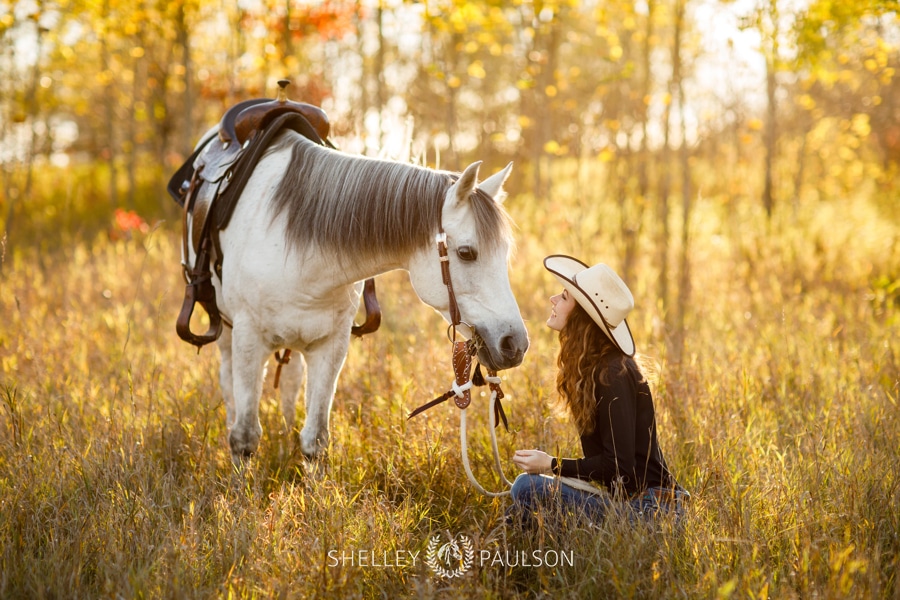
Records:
x=137, y=84
x=684, y=279
x=187, y=101
x=15, y=196
x=676, y=345
x=768, y=199
x=380, y=92
x=109, y=102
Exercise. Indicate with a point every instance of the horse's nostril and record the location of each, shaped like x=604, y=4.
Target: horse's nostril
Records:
x=508, y=346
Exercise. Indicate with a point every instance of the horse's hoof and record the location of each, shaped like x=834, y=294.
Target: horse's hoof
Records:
x=243, y=443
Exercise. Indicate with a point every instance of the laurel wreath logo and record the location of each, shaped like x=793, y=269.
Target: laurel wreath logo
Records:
x=457, y=551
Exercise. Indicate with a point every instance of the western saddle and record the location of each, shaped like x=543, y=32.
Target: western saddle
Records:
x=208, y=185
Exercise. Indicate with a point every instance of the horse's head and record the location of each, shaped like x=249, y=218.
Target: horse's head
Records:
x=479, y=237
x=450, y=552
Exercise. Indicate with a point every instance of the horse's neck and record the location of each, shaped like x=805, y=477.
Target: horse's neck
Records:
x=346, y=271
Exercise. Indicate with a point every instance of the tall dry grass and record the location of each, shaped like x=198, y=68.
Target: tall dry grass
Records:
x=782, y=419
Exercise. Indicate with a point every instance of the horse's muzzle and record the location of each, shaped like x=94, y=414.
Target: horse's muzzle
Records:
x=508, y=351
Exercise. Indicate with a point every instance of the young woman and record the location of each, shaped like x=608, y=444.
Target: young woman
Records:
x=609, y=401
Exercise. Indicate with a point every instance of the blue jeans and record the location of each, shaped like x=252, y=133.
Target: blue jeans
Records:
x=531, y=493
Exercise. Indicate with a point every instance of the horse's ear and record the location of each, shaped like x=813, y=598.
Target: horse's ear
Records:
x=493, y=185
x=465, y=185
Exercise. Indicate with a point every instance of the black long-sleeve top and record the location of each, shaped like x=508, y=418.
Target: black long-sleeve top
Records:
x=623, y=443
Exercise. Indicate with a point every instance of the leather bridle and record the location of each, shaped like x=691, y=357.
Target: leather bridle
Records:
x=443, y=254
x=463, y=351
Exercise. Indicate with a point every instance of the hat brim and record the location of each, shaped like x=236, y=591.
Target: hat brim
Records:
x=566, y=269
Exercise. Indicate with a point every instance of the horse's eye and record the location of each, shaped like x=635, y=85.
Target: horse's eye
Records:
x=467, y=253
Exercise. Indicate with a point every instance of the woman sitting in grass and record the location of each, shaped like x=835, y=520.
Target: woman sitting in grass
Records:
x=609, y=401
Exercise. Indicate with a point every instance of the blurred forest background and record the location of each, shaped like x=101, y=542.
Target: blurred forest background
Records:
x=650, y=103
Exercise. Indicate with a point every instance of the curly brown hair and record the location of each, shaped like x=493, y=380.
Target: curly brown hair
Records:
x=584, y=361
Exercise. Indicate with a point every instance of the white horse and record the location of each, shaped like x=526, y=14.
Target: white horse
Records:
x=310, y=226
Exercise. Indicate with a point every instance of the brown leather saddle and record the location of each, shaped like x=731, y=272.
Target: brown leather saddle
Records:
x=207, y=186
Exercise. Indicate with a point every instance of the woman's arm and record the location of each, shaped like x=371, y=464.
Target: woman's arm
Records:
x=533, y=461
x=610, y=448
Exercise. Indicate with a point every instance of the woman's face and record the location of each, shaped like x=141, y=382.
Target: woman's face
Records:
x=562, y=304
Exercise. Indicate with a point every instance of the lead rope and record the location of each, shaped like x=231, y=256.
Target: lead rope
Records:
x=460, y=391
x=492, y=415
x=464, y=449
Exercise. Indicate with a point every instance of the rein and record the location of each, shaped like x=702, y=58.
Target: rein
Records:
x=460, y=389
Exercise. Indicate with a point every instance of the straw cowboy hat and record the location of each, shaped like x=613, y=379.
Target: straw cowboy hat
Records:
x=600, y=292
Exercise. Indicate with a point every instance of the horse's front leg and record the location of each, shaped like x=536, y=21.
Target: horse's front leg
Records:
x=324, y=362
x=248, y=358
x=225, y=381
x=290, y=384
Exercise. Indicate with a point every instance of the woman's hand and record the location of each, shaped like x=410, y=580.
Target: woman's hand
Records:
x=533, y=461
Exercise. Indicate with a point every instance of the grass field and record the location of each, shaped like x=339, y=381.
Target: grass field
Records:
x=782, y=420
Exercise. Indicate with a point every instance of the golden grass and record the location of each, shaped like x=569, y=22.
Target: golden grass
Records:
x=782, y=419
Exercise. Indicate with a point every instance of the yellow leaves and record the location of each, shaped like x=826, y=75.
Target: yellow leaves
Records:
x=137, y=52
x=466, y=16
x=871, y=65
x=476, y=70
x=524, y=122
x=615, y=52
x=859, y=125
x=607, y=154
x=755, y=124
x=555, y=148
x=827, y=77
x=806, y=102
x=453, y=82
x=498, y=137
x=550, y=91
x=524, y=84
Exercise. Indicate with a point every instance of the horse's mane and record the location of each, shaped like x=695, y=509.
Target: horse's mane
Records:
x=356, y=206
